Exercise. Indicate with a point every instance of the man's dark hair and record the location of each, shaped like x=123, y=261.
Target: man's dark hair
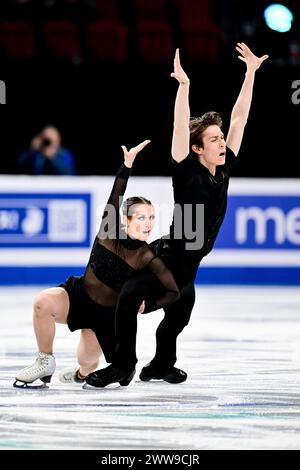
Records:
x=199, y=124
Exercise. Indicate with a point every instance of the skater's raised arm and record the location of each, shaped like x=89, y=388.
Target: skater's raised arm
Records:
x=241, y=108
x=181, y=131
x=111, y=215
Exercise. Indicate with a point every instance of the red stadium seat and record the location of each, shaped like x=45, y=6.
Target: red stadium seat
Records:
x=106, y=9
x=17, y=40
x=150, y=10
x=154, y=40
x=194, y=12
x=203, y=44
x=202, y=38
x=107, y=40
x=62, y=39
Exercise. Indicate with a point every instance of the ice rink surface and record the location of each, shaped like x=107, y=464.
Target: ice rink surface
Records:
x=241, y=351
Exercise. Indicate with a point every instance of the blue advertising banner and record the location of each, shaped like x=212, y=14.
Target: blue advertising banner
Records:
x=261, y=222
x=47, y=226
x=45, y=220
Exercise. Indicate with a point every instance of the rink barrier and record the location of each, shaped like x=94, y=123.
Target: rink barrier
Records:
x=47, y=225
x=53, y=275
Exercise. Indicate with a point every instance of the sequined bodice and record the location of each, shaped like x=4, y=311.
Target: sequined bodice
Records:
x=110, y=268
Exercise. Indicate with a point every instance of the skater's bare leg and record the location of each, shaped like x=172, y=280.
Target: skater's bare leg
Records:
x=88, y=353
x=50, y=306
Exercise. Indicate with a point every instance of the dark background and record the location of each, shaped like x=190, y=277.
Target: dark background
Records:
x=101, y=103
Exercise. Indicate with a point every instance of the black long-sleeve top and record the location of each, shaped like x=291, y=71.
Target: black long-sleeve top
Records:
x=115, y=257
x=193, y=185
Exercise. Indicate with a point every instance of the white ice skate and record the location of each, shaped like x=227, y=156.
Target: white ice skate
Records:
x=70, y=375
x=42, y=369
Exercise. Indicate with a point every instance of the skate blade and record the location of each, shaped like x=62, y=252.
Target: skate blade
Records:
x=27, y=385
x=107, y=387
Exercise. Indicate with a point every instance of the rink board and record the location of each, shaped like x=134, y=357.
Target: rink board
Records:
x=47, y=225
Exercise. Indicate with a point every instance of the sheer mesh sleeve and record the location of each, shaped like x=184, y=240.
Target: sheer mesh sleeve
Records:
x=110, y=224
x=159, y=269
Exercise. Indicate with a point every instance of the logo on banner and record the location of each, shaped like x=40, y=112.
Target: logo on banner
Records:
x=33, y=222
x=261, y=222
x=286, y=226
x=44, y=220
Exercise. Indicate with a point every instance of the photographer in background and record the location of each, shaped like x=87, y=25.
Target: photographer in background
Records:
x=46, y=156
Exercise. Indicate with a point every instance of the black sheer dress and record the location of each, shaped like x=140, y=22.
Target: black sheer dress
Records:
x=115, y=258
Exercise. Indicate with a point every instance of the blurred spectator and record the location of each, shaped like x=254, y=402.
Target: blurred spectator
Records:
x=46, y=156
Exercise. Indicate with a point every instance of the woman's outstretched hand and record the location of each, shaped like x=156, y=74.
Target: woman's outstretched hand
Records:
x=130, y=155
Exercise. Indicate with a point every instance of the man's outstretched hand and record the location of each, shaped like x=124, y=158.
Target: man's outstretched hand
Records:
x=246, y=55
x=179, y=73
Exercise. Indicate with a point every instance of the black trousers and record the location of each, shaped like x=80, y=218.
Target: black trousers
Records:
x=177, y=315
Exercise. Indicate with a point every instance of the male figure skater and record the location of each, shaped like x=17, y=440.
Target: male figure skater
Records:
x=202, y=162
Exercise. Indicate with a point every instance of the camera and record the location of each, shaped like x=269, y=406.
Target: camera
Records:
x=45, y=143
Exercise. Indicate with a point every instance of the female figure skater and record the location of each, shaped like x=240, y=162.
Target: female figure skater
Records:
x=89, y=302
